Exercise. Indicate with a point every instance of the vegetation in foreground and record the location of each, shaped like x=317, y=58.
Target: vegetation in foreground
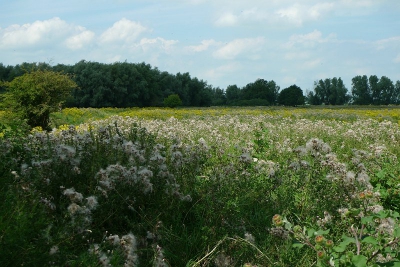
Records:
x=209, y=187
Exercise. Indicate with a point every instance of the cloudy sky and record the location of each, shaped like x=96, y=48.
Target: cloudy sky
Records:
x=222, y=42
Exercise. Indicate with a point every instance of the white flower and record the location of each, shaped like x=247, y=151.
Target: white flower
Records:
x=53, y=250
x=91, y=202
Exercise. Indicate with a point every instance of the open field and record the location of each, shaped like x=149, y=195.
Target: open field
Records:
x=204, y=187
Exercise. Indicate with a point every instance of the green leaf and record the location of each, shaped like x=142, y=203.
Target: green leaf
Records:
x=310, y=232
x=322, y=232
x=342, y=246
x=359, y=260
x=367, y=219
x=395, y=214
x=297, y=245
x=382, y=214
x=396, y=232
x=370, y=240
x=381, y=174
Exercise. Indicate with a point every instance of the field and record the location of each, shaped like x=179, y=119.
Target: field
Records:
x=203, y=187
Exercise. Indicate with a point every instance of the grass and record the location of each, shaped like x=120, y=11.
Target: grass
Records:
x=200, y=187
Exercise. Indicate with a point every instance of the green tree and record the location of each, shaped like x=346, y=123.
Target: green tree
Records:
x=34, y=95
x=396, y=93
x=233, y=94
x=291, y=96
x=266, y=91
x=173, y=101
x=387, y=89
x=361, y=90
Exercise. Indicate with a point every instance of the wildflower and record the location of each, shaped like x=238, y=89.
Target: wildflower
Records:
x=321, y=254
x=159, y=260
x=128, y=244
x=277, y=220
x=53, y=250
x=245, y=158
x=223, y=260
x=297, y=229
x=329, y=243
x=74, y=208
x=363, y=178
x=114, y=239
x=375, y=208
x=249, y=237
x=319, y=239
x=73, y=195
x=91, y=202
x=344, y=212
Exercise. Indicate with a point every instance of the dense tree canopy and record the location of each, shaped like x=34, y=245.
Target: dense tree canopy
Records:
x=123, y=84
x=291, y=96
x=328, y=92
x=375, y=91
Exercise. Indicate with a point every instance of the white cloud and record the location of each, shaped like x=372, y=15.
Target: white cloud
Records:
x=299, y=13
x=221, y=71
x=39, y=32
x=384, y=43
x=78, y=41
x=205, y=44
x=309, y=39
x=248, y=46
x=157, y=44
x=227, y=19
x=297, y=55
x=123, y=30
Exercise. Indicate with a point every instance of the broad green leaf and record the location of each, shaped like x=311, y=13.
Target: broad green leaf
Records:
x=395, y=214
x=359, y=260
x=381, y=174
x=396, y=232
x=367, y=219
x=310, y=232
x=322, y=232
x=298, y=245
x=370, y=240
x=382, y=214
x=342, y=246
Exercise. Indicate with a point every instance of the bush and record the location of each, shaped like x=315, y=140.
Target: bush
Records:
x=173, y=101
x=34, y=95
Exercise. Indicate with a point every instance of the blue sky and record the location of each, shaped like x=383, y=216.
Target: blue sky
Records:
x=222, y=42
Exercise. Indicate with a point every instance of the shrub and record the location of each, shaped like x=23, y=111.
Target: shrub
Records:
x=34, y=95
x=173, y=101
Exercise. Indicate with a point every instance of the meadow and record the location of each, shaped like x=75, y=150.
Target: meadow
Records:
x=203, y=187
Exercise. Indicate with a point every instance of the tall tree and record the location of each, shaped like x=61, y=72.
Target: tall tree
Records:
x=219, y=97
x=361, y=90
x=396, y=93
x=261, y=89
x=387, y=90
x=233, y=94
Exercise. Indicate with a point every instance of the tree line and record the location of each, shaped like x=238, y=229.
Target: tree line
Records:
x=123, y=84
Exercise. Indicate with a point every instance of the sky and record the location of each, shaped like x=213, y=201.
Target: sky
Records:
x=222, y=42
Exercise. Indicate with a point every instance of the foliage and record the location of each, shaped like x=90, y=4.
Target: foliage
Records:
x=329, y=92
x=375, y=91
x=123, y=85
x=34, y=95
x=173, y=101
x=291, y=96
